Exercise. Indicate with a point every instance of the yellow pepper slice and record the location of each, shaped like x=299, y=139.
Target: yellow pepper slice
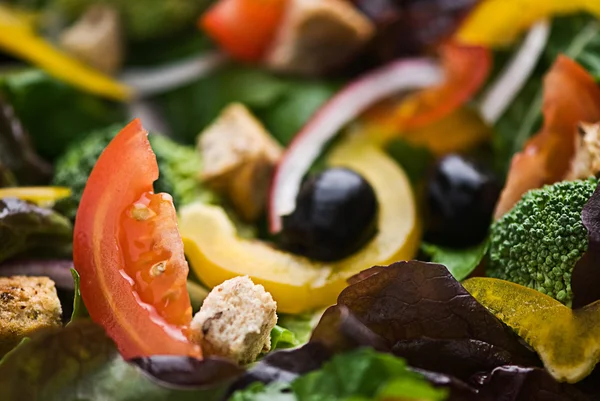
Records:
x=40, y=195
x=217, y=253
x=567, y=341
x=499, y=22
x=18, y=38
x=460, y=131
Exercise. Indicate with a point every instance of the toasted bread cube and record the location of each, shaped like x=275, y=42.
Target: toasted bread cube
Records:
x=235, y=321
x=27, y=304
x=239, y=156
x=317, y=36
x=586, y=162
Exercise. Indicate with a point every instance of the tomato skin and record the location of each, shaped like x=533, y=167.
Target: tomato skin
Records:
x=244, y=28
x=125, y=170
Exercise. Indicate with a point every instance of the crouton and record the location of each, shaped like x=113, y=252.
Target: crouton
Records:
x=317, y=36
x=27, y=304
x=235, y=321
x=96, y=39
x=239, y=156
x=586, y=161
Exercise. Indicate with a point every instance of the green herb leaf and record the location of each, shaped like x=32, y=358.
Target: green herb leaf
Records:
x=79, y=309
x=79, y=362
x=459, y=262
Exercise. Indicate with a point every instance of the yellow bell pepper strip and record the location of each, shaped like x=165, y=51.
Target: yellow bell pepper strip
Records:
x=459, y=132
x=18, y=38
x=216, y=253
x=496, y=23
x=567, y=340
x=39, y=195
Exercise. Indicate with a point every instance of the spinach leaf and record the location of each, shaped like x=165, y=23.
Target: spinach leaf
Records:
x=578, y=37
x=54, y=113
x=459, y=262
x=79, y=362
x=283, y=104
x=27, y=227
x=361, y=374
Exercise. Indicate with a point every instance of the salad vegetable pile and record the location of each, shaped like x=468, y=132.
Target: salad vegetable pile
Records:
x=300, y=200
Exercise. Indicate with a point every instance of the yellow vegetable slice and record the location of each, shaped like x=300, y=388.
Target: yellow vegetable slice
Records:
x=40, y=195
x=499, y=22
x=567, y=341
x=216, y=253
x=18, y=38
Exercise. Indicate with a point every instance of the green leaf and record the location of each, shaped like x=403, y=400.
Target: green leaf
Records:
x=25, y=227
x=361, y=374
x=459, y=262
x=300, y=325
x=577, y=37
x=415, y=160
x=54, y=113
x=79, y=362
x=283, y=338
x=282, y=104
x=79, y=309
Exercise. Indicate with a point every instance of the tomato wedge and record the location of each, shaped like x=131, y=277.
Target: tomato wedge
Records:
x=243, y=28
x=466, y=68
x=129, y=254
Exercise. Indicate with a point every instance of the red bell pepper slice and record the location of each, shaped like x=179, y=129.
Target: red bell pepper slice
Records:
x=129, y=254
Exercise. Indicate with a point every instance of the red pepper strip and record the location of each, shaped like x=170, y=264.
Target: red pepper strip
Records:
x=570, y=96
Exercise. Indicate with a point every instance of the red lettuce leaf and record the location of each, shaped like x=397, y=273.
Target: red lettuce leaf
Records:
x=420, y=312
x=585, y=279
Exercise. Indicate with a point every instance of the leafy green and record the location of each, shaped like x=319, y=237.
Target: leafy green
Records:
x=300, y=325
x=415, y=160
x=283, y=104
x=282, y=338
x=54, y=113
x=27, y=227
x=79, y=362
x=459, y=262
x=79, y=309
x=361, y=374
x=577, y=37
x=19, y=163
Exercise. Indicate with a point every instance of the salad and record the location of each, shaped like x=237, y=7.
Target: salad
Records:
x=299, y=200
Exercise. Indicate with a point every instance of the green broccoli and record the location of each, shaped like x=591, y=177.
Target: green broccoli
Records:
x=540, y=240
x=178, y=165
x=144, y=19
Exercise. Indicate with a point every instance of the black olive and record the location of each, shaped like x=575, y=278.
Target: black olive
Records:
x=460, y=199
x=336, y=214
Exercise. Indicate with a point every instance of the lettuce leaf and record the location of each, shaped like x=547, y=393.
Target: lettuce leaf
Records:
x=362, y=374
x=282, y=338
x=459, y=262
x=79, y=362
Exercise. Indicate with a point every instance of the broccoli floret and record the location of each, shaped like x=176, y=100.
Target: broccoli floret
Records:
x=178, y=166
x=144, y=19
x=540, y=240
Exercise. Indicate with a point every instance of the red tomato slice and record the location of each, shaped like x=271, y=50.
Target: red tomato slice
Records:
x=466, y=69
x=244, y=28
x=129, y=254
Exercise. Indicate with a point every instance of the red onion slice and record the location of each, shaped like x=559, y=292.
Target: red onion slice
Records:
x=394, y=78
x=500, y=95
